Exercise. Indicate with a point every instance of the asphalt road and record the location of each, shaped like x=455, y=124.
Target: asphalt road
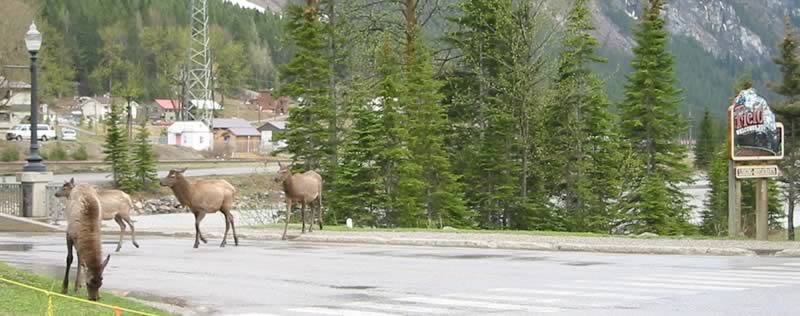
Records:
x=292, y=278
x=106, y=177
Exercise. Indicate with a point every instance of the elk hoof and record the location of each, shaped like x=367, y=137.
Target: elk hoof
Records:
x=64, y=291
x=135, y=244
x=118, y=248
x=196, y=245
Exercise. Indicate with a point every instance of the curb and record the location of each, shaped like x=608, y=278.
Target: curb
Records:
x=480, y=244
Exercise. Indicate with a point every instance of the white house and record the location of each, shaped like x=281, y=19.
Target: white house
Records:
x=193, y=134
x=97, y=108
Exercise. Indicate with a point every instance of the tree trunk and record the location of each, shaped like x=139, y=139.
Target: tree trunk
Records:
x=411, y=28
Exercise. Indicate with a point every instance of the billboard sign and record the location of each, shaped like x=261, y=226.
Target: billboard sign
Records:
x=754, y=133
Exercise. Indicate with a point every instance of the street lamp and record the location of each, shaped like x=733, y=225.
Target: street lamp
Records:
x=33, y=41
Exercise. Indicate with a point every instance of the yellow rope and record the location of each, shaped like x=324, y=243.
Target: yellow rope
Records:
x=50, y=303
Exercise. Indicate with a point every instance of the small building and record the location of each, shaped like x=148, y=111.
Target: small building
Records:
x=15, y=103
x=205, y=105
x=98, y=108
x=166, y=110
x=270, y=130
x=192, y=134
x=236, y=135
x=266, y=102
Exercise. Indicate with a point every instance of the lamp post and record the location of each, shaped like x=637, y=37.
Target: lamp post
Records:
x=33, y=41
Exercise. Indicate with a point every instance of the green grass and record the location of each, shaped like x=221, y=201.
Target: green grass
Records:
x=22, y=301
x=774, y=236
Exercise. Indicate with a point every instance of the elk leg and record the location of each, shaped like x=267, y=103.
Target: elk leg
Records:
x=121, y=230
x=313, y=215
x=227, y=227
x=65, y=286
x=303, y=217
x=319, y=210
x=288, y=212
x=127, y=219
x=233, y=227
x=78, y=276
x=197, y=235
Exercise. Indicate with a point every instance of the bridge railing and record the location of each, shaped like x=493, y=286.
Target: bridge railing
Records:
x=11, y=199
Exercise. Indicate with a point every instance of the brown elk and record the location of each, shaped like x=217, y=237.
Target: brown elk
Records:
x=304, y=188
x=115, y=204
x=83, y=212
x=203, y=197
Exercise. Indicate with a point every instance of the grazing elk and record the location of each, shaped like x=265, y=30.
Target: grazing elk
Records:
x=203, y=197
x=83, y=212
x=115, y=204
x=304, y=188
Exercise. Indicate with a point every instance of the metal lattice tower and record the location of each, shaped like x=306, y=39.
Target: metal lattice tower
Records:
x=198, y=85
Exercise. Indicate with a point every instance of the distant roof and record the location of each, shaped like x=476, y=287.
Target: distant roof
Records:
x=167, y=104
x=280, y=125
x=14, y=84
x=229, y=123
x=206, y=104
x=190, y=126
x=244, y=131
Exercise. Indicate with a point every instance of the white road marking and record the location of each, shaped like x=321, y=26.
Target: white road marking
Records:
x=574, y=293
x=401, y=308
x=486, y=305
x=521, y=299
x=767, y=273
x=336, y=311
x=722, y=277
x=703, y=282
x=678, y=286
x=787, y=269
x=794, y=264
x=621, y=288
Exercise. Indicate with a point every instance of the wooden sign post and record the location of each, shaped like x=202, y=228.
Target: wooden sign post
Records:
x=756, y=145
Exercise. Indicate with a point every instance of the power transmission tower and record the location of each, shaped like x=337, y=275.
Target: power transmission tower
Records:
x=198, y=89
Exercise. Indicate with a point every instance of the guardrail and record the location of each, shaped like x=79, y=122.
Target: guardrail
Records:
x=11, y=198
x=187, y=162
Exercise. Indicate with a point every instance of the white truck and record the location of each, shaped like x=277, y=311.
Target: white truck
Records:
x=23, y=131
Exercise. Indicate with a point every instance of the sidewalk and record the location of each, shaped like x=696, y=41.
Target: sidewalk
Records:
x=213, y=226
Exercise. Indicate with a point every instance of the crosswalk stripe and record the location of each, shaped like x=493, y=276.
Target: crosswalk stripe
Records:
x=336, y=311
x=486, y=305
x=722, y=277
x=703, y=282
x=621, y=288
x=768, y=273
x=678, y=286
x=400, y=308
x=787, y=269
x=574, y=293
x=505, y=298
x=794, y=264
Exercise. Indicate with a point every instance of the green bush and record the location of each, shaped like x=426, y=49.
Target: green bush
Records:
x=56, y=153
x=80, y=154
x=8, y=152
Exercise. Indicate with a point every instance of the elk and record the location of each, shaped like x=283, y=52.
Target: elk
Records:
x=304, y=188
x=83, y=212
x=115, y=204
x=203, y=197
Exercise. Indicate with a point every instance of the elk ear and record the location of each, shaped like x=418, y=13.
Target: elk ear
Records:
x=181, y=170
x=280, y=165
x=105, y=262
x=72, y=181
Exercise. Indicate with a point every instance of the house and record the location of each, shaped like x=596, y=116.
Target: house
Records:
x=15, y=103
x=266, y=102
x=270, y=129
x=236, y=135
x=192, y=134
x=166, y=110
x=97, y=108
x=205, y=104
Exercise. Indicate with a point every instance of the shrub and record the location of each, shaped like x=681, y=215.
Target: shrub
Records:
x=80, y=154
x=8, y=152
x=57, y=153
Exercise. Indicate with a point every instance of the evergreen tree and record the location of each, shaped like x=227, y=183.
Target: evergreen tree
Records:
x=652, y=123
x=585, y=140
x=306, y=78
x=439, y=195
x=58, y=71
x=707, y=143
x=116, y=151
x=715, y=213
x=789, y=114
x=145, y=160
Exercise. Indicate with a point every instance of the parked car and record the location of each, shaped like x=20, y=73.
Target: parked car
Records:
x=69, y=134
x=22, y=131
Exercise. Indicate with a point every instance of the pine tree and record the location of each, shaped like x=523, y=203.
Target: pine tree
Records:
x=715, y=213
x=585, y=138
x=652, y=123
x=145, y=160
x=116, y=151
x=707, y=143
x=789, y=114
x=306, y=77
x=440, y=199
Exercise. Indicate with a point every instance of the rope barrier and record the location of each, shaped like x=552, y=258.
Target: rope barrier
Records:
x=117, y=310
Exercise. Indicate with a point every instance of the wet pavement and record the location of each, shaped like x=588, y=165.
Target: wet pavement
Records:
x=294, y=278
